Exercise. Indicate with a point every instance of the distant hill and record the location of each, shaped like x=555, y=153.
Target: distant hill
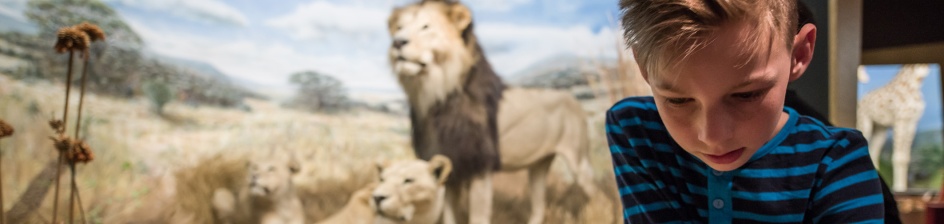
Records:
x=560, y=71
x=197, y=67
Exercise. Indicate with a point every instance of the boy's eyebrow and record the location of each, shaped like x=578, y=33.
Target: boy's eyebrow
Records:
x=669, y=87
x=666, y=86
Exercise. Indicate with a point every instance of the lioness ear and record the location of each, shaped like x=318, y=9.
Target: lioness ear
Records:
x=379, y=165
x=441, y=166
x=460, y=15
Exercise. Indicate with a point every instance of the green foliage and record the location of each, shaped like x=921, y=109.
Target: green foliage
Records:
x=159, y=94
x=50, y=15
x=319, y=92
x=926, y=166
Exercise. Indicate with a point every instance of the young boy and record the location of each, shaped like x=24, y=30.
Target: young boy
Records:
x=715, y=144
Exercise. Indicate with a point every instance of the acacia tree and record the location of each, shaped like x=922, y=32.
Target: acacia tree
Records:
x=318, y=92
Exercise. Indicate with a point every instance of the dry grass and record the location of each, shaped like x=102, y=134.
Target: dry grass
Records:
x=140, y=156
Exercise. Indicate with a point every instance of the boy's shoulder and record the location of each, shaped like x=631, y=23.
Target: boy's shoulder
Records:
x=810, y=132
x=808, y=123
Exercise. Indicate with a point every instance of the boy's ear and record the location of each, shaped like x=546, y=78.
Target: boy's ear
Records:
x=802, y=54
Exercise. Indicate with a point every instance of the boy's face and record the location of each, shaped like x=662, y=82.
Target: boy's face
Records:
x=720, y=106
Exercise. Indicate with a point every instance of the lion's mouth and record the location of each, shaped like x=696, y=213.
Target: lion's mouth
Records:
x=402, y=59
x=382, y=213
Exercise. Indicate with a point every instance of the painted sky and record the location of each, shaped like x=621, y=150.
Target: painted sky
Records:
x=263, y=42
x=879, y=75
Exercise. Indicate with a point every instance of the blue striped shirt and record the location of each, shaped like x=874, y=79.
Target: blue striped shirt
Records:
x=808, y=173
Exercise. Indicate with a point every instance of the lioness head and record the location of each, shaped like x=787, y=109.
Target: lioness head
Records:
x=270, y=178
x=410, y=187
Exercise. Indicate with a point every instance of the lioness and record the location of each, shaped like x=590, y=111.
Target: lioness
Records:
x=461, y=109
x=269, y=196
x=412, y=191
x=358, y=209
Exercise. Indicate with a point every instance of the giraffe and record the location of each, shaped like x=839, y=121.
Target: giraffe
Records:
x=897, y=105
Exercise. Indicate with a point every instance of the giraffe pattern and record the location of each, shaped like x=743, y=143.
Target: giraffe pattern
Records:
x=897, y=105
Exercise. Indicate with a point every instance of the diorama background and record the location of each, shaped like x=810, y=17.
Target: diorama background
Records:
x=927, y=166
x=182, y=89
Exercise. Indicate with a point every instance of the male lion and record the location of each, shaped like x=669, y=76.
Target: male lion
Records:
x=268, y=196
x=412, y=191
x=460, y=108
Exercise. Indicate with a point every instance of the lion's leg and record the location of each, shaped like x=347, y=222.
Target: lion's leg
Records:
x=580, y=167
x=537, y=182
x=480, y=199
x=224, y=205
x=452, y=199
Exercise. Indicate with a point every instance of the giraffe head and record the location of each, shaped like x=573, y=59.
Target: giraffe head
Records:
x=914, y=72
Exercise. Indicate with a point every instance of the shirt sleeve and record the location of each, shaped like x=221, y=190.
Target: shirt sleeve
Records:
x=644, y=195
x=849, y=190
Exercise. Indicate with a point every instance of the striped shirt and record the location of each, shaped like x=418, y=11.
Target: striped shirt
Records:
x=808, y=173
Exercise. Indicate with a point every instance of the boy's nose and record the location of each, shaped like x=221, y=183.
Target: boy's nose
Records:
x=717, y=127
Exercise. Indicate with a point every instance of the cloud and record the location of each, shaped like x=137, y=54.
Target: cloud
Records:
x=511, y=48
x=213, y=11
x=266, y=63
x=497, y=5
x=13, y=9
x=320, y=20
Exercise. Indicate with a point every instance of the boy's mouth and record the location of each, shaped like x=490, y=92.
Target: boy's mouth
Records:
x=726, y=158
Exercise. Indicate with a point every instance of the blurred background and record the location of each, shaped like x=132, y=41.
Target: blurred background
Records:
x=182, y=91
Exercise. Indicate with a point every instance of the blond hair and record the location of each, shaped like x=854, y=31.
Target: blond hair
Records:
x=662, y=31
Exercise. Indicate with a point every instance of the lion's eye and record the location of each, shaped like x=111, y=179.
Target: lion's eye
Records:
x=399, y=27
x=425, y=26
x=408, y=180
x=381, y=179
x=271, y=169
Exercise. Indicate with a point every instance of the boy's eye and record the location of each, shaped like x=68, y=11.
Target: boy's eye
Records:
x=749, y=96
x=677, y=101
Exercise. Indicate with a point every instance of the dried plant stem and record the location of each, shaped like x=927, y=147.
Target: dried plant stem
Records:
x=78, y=126
x=78, y=199
x=72, y=193
x=65, y=108
x=65, y=119
x=78, y=119
x=55, y=197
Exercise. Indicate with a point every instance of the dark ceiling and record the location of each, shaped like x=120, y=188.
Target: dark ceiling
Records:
x=895, y=23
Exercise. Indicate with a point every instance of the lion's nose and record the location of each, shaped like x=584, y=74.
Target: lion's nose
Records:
x=378, y=199
x=398, y=43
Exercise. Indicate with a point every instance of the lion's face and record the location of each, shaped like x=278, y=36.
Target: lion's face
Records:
x=406, y=184
x=425, y=36
x=270, y=178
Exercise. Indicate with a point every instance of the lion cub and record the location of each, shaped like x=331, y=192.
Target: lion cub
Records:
x=411, y=191
x=357, y=210
x=268, y=197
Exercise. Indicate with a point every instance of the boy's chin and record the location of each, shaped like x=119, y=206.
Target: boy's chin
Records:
x=725, y=167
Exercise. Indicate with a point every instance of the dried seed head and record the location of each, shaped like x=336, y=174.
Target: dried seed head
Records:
x=72, y=39
x=57, y=126
x=5, y=129
x=62, y=143
x=81, y=153
x=94, y=33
